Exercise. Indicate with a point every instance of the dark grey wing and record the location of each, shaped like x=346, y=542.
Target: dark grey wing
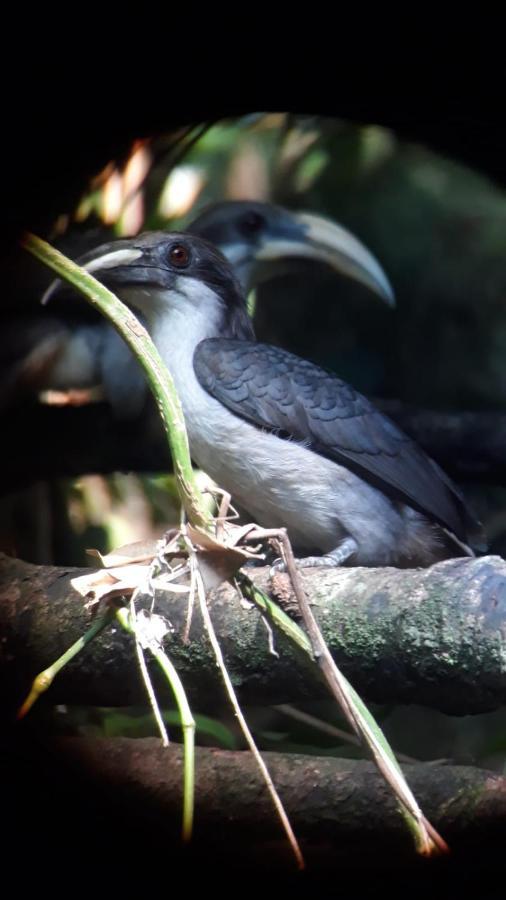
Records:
x=276, y=390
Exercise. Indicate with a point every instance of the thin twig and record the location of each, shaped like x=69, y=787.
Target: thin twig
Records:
x=189, y=613
x=270, y=636
x=187, y=721
x=327, y=728
x=355, y=711
x=45, y=679
x=145, y=676
x=427, y=838
x=237, y=709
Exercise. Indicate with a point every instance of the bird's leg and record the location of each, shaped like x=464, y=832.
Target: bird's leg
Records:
x=336, y=557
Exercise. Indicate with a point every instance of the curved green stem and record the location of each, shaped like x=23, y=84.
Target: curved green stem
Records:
x=45, y=679
x=187, y=723
x=145, y=351
x=188, y=728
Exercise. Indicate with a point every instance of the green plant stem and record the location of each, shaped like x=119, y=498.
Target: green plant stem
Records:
x=427, y=840
x=188, y=729
x=274, y=612
x=45, y=678
x=187, y=724
x=145, y=351
x=294, y=844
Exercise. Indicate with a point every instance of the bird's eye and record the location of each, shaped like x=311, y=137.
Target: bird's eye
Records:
x=252, y=222
x=179, y=256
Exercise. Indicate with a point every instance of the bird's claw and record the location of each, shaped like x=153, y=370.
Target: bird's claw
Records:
x=277, y=566
x=307, y=562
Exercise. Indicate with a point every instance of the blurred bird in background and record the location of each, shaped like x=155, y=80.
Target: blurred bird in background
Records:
x=70, y=347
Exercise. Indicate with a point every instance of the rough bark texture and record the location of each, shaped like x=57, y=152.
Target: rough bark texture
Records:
x=433, y=636
x=120, y=799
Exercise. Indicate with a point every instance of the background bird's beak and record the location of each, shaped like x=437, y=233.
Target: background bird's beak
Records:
x=332, y=244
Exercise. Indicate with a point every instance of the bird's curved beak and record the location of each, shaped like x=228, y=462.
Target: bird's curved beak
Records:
x=316, y=238
x=111, y=257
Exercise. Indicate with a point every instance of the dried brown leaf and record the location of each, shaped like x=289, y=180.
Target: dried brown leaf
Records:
x=137, y=552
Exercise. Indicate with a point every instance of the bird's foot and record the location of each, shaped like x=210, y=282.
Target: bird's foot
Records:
x=335, y=558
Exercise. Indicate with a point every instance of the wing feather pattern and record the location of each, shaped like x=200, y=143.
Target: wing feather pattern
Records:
x=275, y=390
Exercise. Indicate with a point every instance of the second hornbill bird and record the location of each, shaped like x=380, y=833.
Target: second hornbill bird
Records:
x=294, y=445
x=74, y=347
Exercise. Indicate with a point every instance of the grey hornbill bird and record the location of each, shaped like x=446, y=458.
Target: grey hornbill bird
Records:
x=294, y=445
x=74, y=347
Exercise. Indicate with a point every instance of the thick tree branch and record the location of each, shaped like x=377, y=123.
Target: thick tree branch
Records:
x=337, y=807
x=433, y=636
